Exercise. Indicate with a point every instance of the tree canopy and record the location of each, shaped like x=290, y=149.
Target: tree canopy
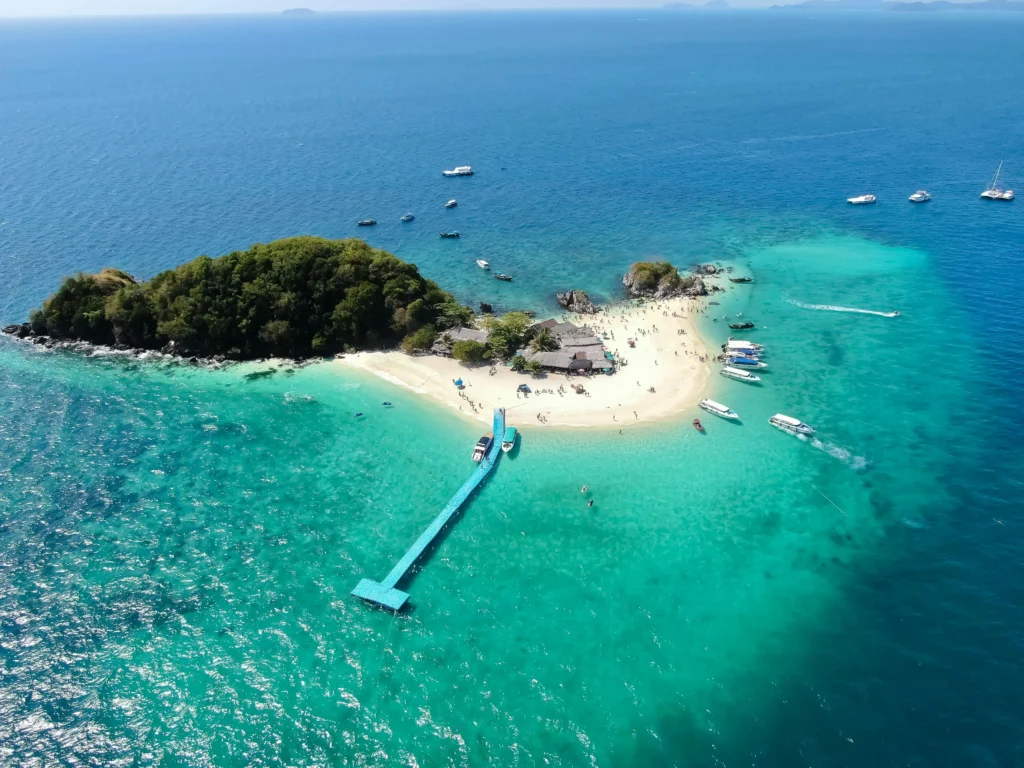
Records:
x=296, y=297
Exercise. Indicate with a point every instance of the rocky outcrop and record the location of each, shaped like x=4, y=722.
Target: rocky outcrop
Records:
x=660, y=280
x=706, y=269
x=576, y=301
x=21, y=330
x=486, y=309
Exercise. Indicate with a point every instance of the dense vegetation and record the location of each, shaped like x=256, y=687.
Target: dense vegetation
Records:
x=507, y=334
x=296, y=297
x=656, y=275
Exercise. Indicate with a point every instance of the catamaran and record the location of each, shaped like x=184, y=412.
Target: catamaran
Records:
x=994, y=192
x=462, y=170
x=736, y=373
x=508, y=441
x=790, y=425
x=717, y=408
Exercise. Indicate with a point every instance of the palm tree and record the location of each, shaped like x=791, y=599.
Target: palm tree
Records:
x=544, y=341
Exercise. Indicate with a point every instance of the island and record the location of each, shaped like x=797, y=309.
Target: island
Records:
x=298, y=297
x=638, y=359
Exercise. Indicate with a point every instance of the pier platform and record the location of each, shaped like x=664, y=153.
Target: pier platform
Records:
x=383, y=592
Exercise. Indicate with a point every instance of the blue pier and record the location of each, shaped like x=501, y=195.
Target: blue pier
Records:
x=384, y=592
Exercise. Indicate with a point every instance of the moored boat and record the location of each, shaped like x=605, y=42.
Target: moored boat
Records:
x=994, y=191
x=451, y=203
x=746, y=362
x=503, y=276
x=741, y=279
x=697, y=425
x=482, y=264
x=742, y=326
x=450, y=234
x=718, y=409
x=367, y=223
x=790, y=425
x=462, y=170
x=736, y=373
x=921, y=196
x=408, y=217
x=508, y=440
x=482, y=445
x=861, y=200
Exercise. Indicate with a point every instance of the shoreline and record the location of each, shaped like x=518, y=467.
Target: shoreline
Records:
x=667, y=357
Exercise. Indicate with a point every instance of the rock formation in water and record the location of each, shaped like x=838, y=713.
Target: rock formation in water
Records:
x=660, y=280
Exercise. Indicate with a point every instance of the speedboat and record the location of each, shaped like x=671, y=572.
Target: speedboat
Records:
x=450, y=234
x=482, y=446
x=717, y=408
x=408, y=217
x=920, y=197
x=508, y=441
x=367, y=223
x=451, y=203
x=743, y=348
x=462, y=170
x=861, y=200
x=482, y=264
x=697, y=425
x=502, y=276
x=790, y=425
x=736, y=373
x=994, y=191
x=747, y=362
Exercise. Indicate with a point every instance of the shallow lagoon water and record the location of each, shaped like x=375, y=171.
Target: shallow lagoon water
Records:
x=177, y=545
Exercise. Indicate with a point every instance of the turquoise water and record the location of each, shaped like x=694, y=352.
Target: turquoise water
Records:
x=177, y=545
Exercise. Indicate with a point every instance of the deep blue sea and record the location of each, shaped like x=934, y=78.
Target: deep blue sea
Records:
x=177, y=545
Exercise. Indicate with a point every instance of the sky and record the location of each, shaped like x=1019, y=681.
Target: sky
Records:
x=34, y=8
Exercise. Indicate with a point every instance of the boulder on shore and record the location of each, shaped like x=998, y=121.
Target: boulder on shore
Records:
x=660, y=280
x=486, y=308
x=576, y=301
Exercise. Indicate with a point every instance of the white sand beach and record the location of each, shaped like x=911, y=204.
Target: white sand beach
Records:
x=667, y=358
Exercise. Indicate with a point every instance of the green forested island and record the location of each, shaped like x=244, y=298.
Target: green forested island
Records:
x=297, y=297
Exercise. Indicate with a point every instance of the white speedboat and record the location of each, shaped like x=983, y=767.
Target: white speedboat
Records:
x=790, y=425
x=482, y=264
x=482, y=446
x=920, y=197
x=994, y=191
x=744, y=348
x=451, y=203
x=717, y=408
x=746, y=362
x=861, y=200
x=462, y=170
x=736, y=373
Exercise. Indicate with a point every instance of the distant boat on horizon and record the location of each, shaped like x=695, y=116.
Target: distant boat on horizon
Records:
x=462, y=170
x=861, y=200
x=451, y=203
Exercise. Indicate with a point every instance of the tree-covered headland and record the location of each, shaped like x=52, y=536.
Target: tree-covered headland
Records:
x=298, y=297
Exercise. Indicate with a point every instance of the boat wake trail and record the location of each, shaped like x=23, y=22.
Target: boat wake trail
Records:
x=830, y=308
x=857, y=463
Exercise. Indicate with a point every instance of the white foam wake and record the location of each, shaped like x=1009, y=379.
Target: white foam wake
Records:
x=831, y=308
x=838, y=452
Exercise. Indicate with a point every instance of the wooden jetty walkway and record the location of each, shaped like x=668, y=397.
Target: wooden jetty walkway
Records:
x=384, y=592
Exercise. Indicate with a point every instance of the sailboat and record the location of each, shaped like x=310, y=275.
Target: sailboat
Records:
x=994, y=192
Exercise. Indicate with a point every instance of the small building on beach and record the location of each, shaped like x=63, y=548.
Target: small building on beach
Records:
x=446, y=340
x=580, y=349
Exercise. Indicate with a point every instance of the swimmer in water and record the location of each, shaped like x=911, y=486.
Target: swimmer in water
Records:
x=590, y=504
x=584, y=489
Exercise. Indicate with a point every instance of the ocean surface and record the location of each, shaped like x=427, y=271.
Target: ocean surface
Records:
x=177, y=545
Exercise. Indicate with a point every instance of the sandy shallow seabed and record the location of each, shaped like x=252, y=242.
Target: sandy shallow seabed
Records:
x=666, y=357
